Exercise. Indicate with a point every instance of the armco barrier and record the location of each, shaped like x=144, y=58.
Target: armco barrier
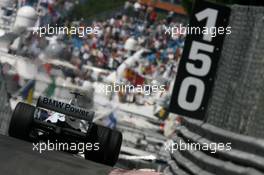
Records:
x=245, y=157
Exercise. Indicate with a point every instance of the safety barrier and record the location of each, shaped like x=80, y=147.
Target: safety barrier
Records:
x=245, y=157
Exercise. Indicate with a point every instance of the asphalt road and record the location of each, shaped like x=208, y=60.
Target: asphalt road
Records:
x=18, y=158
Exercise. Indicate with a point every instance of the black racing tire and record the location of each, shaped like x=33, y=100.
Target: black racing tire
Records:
x=109, y=145
x=114, y=147
x=21, y=121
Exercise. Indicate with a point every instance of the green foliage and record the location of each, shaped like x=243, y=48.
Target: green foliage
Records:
x=93, y=7
x=187, y=5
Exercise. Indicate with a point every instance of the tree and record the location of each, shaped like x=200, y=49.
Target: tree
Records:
x=94, y=7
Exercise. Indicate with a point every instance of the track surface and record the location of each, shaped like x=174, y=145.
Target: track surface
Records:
x=17, y=158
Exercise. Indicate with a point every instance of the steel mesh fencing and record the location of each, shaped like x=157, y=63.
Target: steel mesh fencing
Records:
x=5, y=109
x=237, y=102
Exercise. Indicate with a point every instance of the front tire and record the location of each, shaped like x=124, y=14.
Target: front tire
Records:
x=21, y=121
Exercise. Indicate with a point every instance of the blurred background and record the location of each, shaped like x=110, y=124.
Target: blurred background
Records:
x=133, y=48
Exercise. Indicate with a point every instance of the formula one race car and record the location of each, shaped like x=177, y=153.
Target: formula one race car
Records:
x=34, y=124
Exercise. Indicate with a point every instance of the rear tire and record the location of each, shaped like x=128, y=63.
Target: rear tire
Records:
x=109, y=145
x=21, y=121
x=114, y=147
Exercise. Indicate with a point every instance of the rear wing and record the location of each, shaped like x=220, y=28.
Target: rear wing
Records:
x=65, y=108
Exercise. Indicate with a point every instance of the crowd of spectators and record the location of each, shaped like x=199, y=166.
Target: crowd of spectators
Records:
x=107, y=49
